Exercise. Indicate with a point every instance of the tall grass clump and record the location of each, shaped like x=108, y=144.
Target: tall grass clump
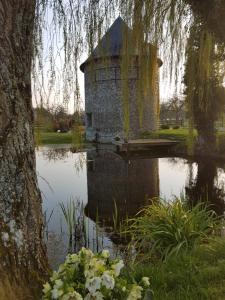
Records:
x=165, y=228
x=69, y=213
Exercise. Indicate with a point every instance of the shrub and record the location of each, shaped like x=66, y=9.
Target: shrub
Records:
x=165, y=126
x=88, y=276
x=176, y=127
x=166, y=228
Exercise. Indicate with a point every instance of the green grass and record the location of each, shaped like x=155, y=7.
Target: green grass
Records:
x=180, y=134
x=197, y=275
x=53, y=138
x=43, y=136
x=165, y=228
x=197, y=270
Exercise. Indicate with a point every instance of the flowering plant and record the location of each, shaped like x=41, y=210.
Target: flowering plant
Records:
x=91, y=276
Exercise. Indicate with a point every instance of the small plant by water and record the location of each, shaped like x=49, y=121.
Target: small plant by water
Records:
x=168, y=228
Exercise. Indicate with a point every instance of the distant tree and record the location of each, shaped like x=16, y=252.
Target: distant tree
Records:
x=172, y=110
x=164, y=112
x=176, y=105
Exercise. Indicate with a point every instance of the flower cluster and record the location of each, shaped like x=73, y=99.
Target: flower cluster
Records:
x=91, y=276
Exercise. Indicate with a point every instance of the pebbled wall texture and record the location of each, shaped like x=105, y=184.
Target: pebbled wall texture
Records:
x=104, y=101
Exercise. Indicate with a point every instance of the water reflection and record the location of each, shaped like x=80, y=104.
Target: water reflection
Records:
x=117, y=187
x=112, y=188
x=207, y=186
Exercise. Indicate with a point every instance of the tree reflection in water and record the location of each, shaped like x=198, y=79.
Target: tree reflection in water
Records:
x=56, y=154
x=118, y=188
x=206, y=187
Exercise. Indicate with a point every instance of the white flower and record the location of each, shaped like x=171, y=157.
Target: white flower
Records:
x=96, y=263
x=117, y=267
x=105, y=253
x=135, y=293
x=72, y=295
x=5, y=236
x=108, y=281
x=94, y=266
x=58, y=284
x=95, y=296
x=46, y=288
x=145, y=280
x=124, y=289
x=93, y=284
x=86, y=252
x=56, y=293
x=54, y=276
x=72, y=258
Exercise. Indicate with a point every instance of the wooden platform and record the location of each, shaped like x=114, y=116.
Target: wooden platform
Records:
x=143, y=144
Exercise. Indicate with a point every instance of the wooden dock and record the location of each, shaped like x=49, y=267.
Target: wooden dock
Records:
x=143, y=144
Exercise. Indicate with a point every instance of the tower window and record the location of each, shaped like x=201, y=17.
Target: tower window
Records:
x=89, y=119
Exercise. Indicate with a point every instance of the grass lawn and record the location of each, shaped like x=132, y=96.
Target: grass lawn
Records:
x=200, y=275
x=43, y=137
x=180, y=134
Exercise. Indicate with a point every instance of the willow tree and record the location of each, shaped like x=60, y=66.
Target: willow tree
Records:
x=204, y=80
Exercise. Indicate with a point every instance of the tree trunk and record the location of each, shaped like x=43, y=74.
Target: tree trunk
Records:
x=22, y=251
x=206, y=141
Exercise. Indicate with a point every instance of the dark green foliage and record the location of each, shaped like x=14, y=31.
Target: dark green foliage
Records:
x=203, y=79
x=168, y=228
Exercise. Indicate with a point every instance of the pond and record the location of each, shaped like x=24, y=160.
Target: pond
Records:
x=105, y=188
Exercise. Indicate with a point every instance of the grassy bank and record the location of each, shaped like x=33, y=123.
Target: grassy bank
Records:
x=197, y=275
x=43, y=138
x=195, y=266
x=180, y=134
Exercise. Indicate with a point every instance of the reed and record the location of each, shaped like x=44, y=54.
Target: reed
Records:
x=69, y=213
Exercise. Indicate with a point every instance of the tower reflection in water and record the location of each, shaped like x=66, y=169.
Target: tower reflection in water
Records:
x=117, y=187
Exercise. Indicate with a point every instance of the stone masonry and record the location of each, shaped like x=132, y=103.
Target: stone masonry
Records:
x=104, y=103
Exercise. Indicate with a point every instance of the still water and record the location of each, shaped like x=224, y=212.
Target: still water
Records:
x=107, y=188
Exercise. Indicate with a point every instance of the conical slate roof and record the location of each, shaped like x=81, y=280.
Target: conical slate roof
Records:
x=112, y=42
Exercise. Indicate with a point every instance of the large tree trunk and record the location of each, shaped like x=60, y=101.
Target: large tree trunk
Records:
x=206, y=141
x=22, y=252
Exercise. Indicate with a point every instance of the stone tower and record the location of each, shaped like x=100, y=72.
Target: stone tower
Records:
x=104, y=100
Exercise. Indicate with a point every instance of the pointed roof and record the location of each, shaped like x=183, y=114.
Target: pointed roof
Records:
x=111, y=43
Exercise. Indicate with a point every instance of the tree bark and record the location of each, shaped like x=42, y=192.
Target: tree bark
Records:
x=22, y=251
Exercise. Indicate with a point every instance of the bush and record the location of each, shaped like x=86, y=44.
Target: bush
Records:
x=165, y=228
x=176, y=127
x=88, y=276
x=165, y=126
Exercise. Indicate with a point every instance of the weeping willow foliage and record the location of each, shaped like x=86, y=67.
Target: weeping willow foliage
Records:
x=76, y=27
x=204, y=80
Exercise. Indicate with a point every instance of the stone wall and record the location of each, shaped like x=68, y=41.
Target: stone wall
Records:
x=104, y=102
